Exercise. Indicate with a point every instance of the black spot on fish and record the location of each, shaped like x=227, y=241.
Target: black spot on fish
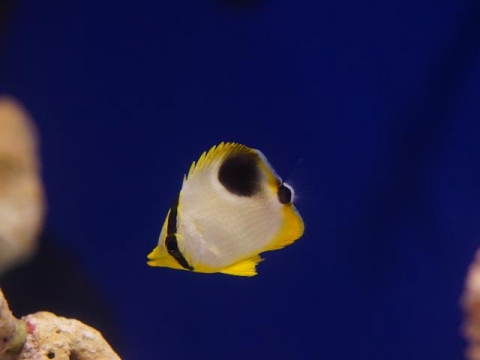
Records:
x=240, y=174
x=284, y=194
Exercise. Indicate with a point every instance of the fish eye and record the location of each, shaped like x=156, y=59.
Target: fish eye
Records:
x=284, y=194
x=171, y=243
x=172, y=246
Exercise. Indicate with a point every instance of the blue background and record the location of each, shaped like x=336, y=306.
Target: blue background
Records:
x=370, y=109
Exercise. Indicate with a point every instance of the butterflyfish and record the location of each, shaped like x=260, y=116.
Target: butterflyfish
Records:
x=232, y=206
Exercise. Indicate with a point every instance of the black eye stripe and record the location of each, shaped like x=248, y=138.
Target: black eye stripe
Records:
x=172, y=246
x=171, y=242
x=172, y=218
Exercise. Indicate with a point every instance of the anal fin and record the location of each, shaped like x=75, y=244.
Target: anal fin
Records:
x=244, y=268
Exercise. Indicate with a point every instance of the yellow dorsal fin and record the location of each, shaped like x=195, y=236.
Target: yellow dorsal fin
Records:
x=243, y=268
x=216, y=153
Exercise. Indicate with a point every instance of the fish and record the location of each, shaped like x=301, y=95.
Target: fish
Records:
x=232, y=207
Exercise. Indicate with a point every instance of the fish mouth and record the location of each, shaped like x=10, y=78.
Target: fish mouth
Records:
x=155, y=254
x=154, y=259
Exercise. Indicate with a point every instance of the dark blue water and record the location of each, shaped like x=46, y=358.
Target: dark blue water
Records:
x=379, y=100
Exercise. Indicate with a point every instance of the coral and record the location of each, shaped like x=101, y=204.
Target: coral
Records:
x=22, y=206
x=12, y=331
x=43, y=336
x=471, y=307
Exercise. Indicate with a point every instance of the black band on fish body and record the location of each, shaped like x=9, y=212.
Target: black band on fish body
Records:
x=171, y=242
x=284, y=194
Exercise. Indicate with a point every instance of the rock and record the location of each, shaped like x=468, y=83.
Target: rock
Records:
x=22, y=204
x=471, y=307
x=53, y=337
x=8, y=326
x=44, y=336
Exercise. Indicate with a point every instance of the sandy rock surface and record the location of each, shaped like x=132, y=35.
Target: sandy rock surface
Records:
x=43, y=336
